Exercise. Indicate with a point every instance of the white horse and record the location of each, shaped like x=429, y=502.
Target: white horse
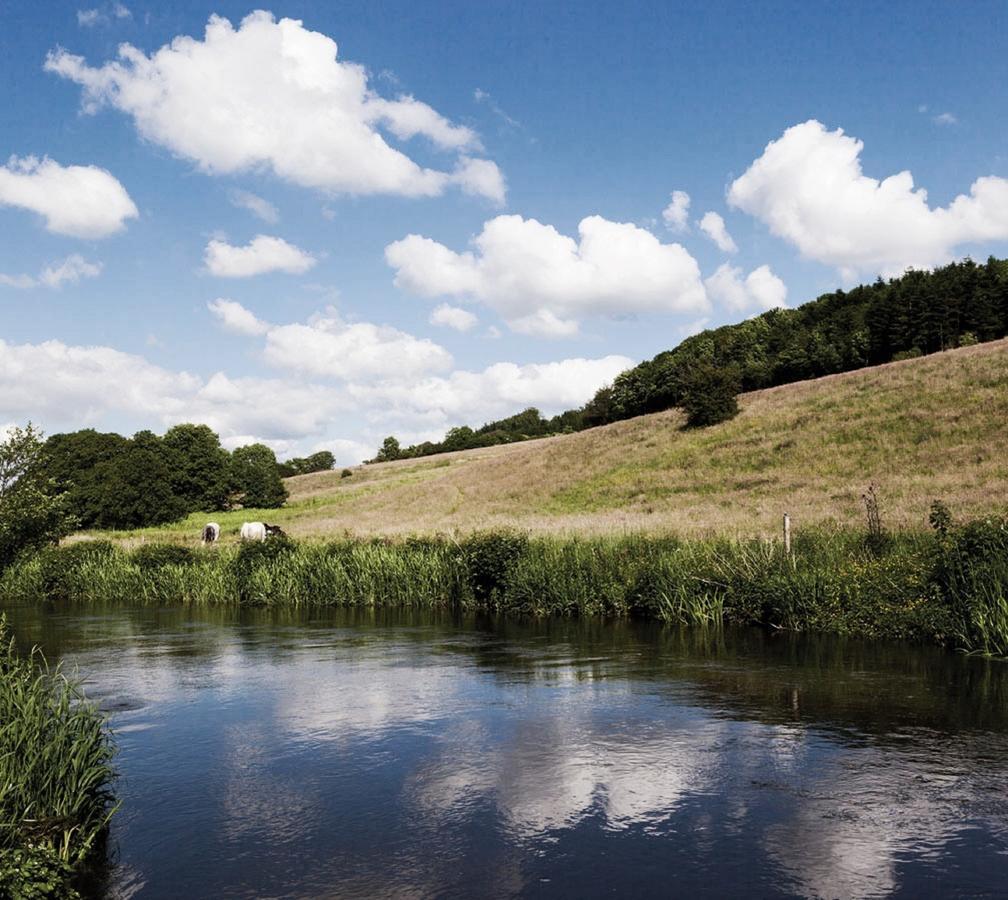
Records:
x=253, y=531
x=211, y=532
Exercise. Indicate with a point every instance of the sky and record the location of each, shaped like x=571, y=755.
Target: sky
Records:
x=318, y=224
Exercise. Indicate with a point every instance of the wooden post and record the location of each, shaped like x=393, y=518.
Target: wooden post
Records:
x=787, y=534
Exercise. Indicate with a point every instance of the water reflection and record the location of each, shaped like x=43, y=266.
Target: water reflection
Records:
x=361, y=753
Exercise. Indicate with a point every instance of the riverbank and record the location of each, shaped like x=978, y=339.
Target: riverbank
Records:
x=55, y=778
x=948, y=586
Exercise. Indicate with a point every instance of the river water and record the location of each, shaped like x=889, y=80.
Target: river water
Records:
x=362, y=754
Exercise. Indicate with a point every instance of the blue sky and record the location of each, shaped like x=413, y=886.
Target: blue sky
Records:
x=506, y=165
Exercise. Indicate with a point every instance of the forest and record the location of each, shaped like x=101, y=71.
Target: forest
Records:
x=918, y=313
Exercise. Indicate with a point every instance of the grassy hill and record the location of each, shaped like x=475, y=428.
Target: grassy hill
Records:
x=921, y=429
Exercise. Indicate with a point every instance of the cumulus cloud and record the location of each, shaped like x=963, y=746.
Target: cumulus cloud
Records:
x=274, y=95
x=541, y=281
x=714, y=227
x=945, y=118
x=453, y=317
x=676, y=214
x=235, y=317
x=263, y=254
x=327, y=346
x=809, y=189
x=760, y=289
x=80, y=201
x=340, y=407
x=71, y=270
x=88, y=18
x=256, y=205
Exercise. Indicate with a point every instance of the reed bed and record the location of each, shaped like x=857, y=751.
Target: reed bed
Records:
x=949, y=587
x=55, y=777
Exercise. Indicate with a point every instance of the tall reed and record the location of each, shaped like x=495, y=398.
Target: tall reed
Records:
x=55, y=767
x=949, y=587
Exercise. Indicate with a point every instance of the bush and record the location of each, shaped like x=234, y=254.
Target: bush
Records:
x=255, y=555
x=709, y=395
x=154, y=556
x=488, y=558
x=346, y=473
x=59, y=566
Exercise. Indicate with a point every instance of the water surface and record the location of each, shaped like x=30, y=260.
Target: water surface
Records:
x=353, y=754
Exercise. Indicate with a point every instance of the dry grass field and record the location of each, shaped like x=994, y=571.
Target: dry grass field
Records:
x=921, y=429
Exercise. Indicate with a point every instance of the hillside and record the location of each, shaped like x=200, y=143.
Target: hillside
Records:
x=933, y=427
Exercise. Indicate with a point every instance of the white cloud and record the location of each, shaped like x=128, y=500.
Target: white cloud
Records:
x=88, y=18
x=542, y=281
x=121, y=12
x=256, y=205
x=808, y=188
x=263, y=254
x=945, y=118
x=72, y=270
x=499, y=389
x=274, y=95
x=235, y=317
x=714, y=227
x=760, y=289
x=66, y=387
x=453, y=317
x=80, y=201
x=676, y=214
x=327, y=346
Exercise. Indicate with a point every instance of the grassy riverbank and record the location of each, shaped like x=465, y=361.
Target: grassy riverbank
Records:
x=55, y=775
x=948, y=586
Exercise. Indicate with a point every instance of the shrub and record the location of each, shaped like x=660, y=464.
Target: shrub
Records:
x=153, y=556
x=709, y=395
x=346, y=473
x=36, y=873
x=59, y=566
x=488, y=558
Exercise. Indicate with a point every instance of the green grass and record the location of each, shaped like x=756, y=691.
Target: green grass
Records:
x=55, y=776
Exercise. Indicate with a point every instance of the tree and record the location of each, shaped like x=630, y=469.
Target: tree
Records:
x=389, y=450
x=256, y=478
x=201, y=475
x=139, y=485
x=32, y=513
x=710, y=393
x=73, y=462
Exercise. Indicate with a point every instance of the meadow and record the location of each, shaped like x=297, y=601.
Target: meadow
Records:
x=921, y=429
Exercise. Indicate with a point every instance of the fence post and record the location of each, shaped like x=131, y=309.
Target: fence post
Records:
x=787, y=534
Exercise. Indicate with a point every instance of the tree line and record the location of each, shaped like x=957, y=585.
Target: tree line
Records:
x=918, y=313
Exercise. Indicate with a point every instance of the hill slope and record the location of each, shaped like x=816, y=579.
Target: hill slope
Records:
x=934, y=427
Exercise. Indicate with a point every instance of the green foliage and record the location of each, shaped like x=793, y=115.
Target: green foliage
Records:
x=55, y=772
x=389, y=451
x=201, y=474
x=488, y=558
x=154, y=556
x=946, y=587
x=256, y=478
x=36, y=873
x=709, y=395
x=139, y=485
x=322, y=461
x=346, y=473
x=32, y=514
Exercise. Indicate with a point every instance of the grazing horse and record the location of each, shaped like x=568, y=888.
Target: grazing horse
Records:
x=211, y=532
x=253, y=531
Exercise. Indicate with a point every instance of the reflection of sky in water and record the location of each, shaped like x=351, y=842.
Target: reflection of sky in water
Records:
x=306, y=762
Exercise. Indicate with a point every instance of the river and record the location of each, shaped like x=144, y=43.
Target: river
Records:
x=352, y=753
